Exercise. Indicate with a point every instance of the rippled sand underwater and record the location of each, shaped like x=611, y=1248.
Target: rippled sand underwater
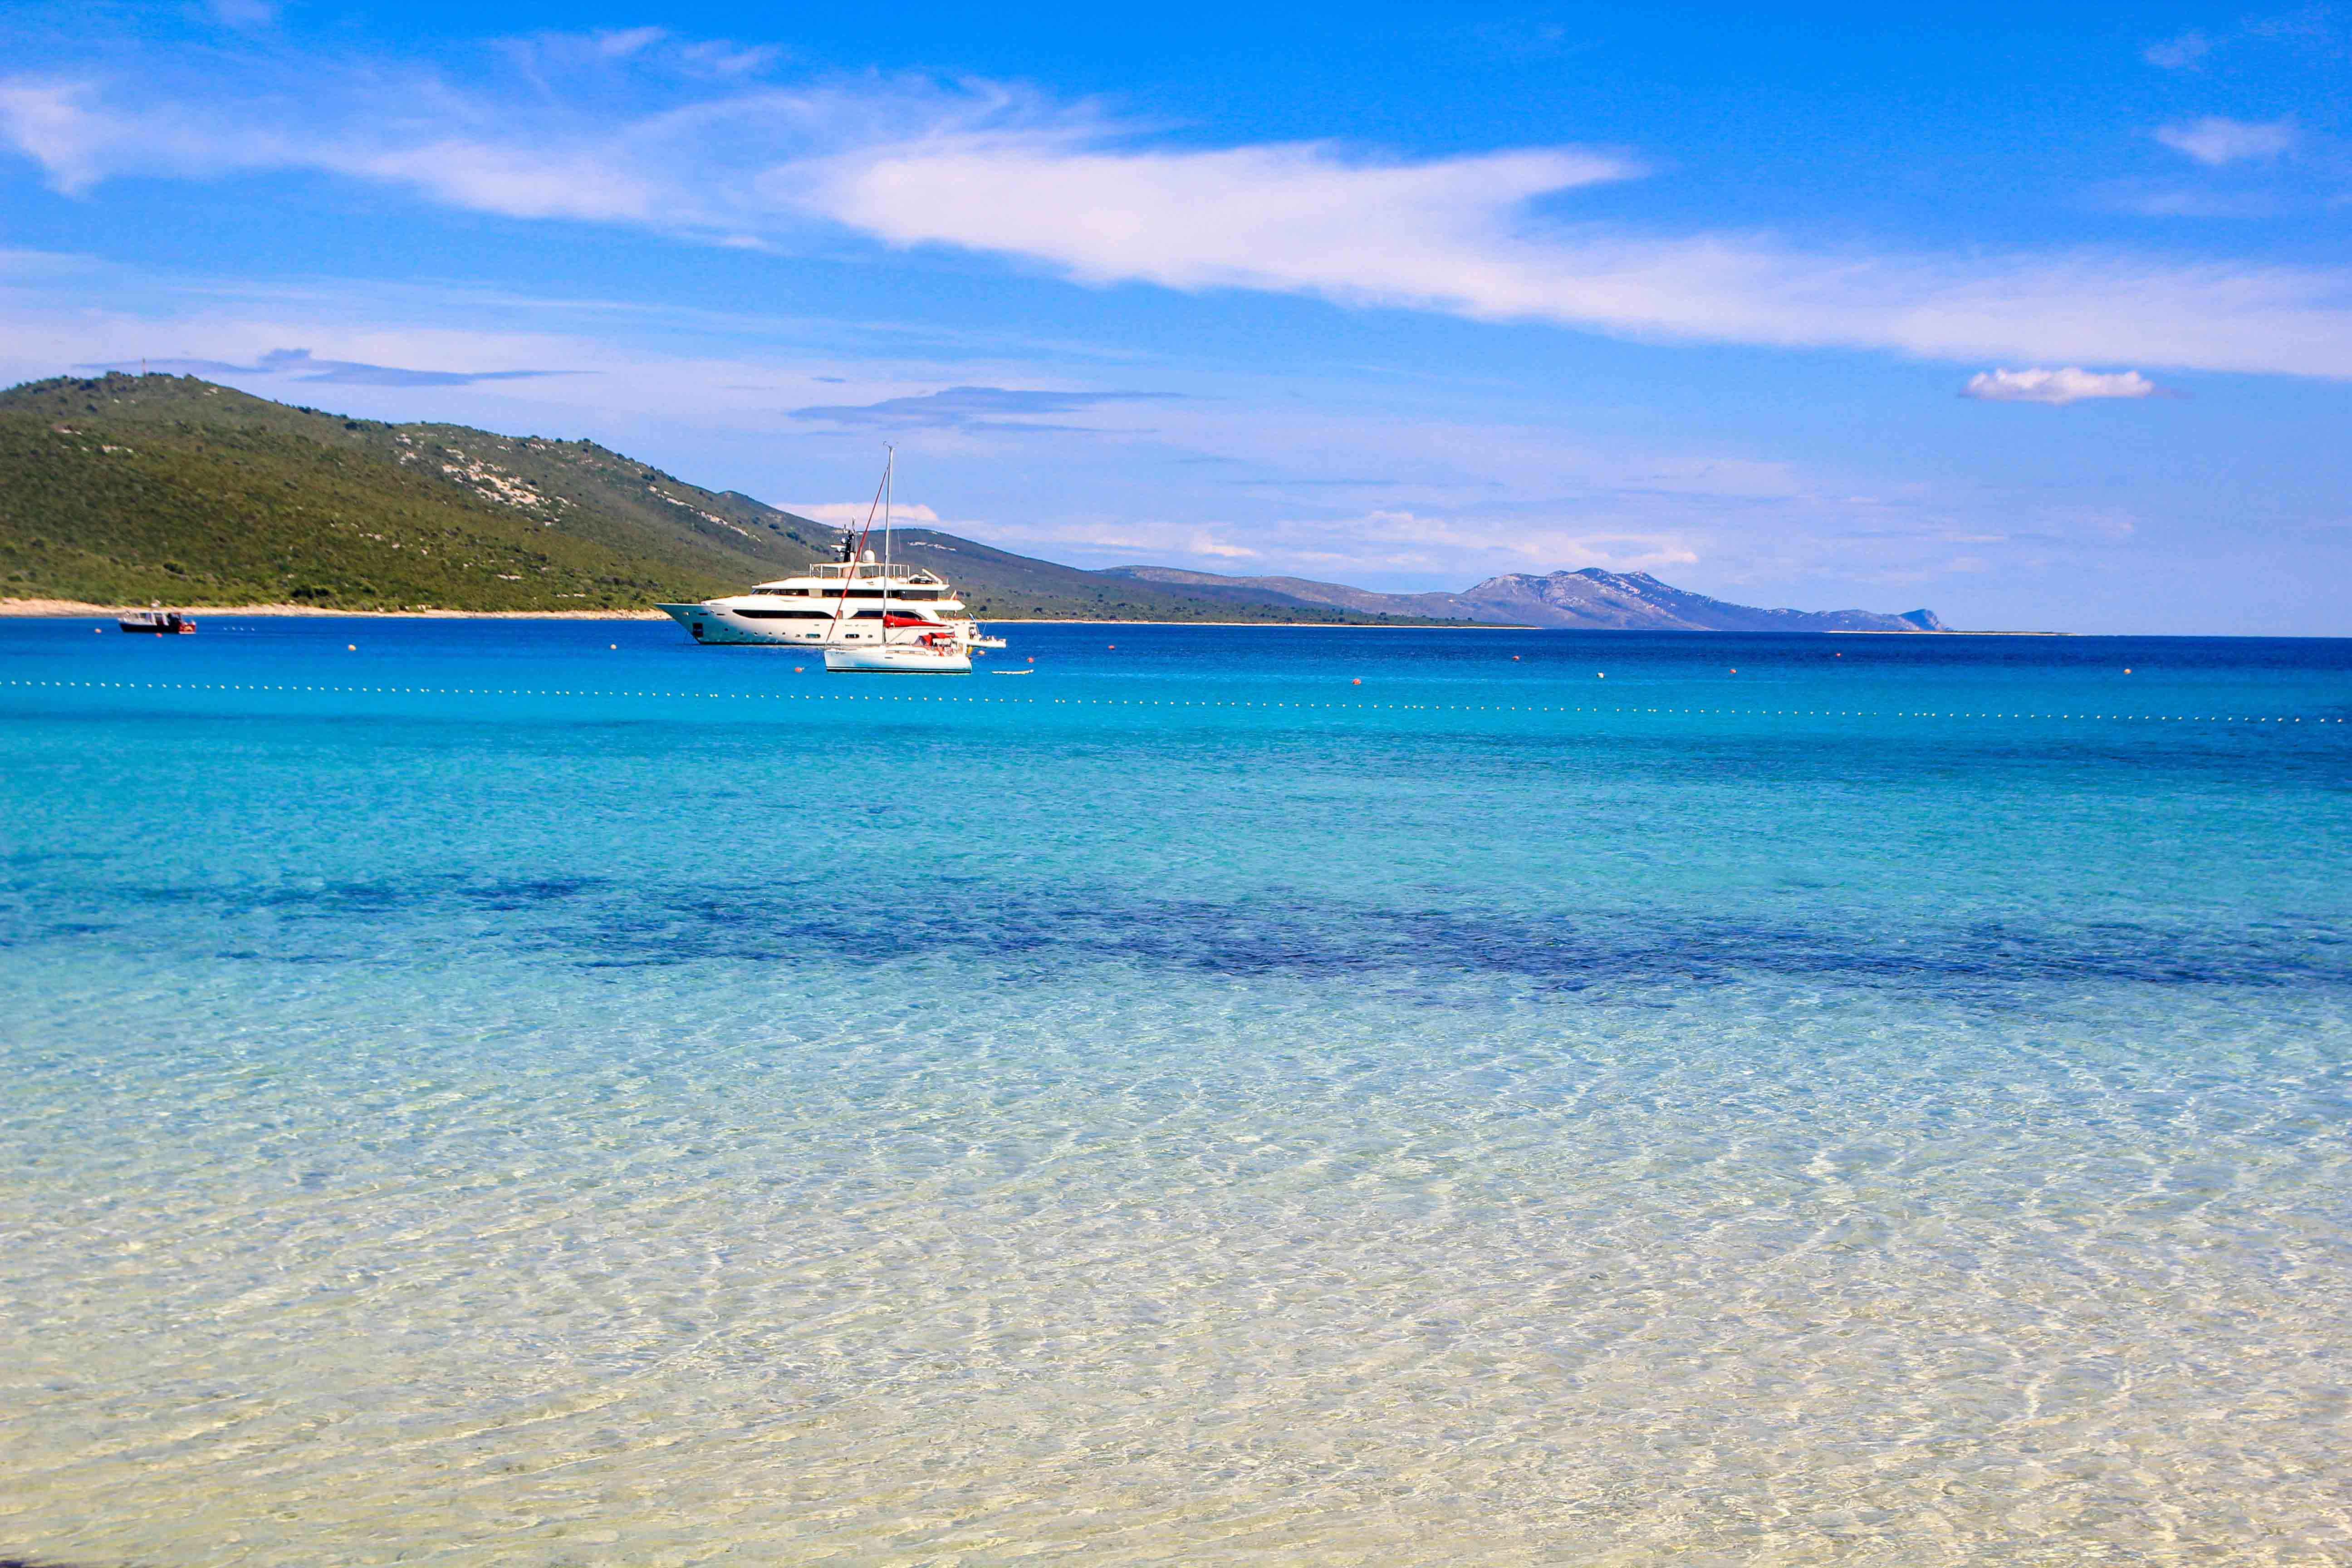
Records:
x=826, y=1121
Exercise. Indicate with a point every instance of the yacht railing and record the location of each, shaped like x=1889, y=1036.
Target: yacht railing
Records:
x=837, y=569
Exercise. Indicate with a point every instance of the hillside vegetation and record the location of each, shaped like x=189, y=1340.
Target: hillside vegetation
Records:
x=123, y=488
x=108, y=511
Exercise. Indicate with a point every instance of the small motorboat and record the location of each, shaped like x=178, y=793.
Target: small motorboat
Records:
x=170, y=623
x=1011, y=672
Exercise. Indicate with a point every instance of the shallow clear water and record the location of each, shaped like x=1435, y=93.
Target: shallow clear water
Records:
x=486, y=1095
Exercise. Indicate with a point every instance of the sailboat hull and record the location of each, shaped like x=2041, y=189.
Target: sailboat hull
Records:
x=897, y=659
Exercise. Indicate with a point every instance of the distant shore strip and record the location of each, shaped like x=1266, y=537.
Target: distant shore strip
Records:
x=69, y=609
x=63, y=609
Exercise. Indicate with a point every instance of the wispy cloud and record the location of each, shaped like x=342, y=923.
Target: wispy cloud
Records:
x=2215, y=141
x=2180, y=53
x=299, y=365
x=969, y=408
x=652, y=135
x=2057, y=386
x=2177, y=202
x=2196, y=49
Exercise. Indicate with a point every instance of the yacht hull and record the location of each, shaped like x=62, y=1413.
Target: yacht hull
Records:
x=718, y=625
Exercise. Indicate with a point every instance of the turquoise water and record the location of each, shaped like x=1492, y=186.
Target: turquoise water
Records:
x=476, y=1093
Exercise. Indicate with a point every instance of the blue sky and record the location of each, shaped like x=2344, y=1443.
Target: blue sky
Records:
x=2040, y=316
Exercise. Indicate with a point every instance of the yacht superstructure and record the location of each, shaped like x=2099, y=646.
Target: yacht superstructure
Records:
x=837, y=603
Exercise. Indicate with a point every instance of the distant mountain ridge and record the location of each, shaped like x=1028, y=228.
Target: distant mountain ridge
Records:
x=1586, y=600
x=1635, y=601
x=126, y=490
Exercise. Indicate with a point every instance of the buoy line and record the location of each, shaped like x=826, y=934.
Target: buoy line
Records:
x=1288, y=705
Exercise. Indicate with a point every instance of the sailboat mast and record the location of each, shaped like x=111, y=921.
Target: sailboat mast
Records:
x=890, y=465
x=851, y=550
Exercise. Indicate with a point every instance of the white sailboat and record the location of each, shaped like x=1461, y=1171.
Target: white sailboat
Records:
x=921, y=647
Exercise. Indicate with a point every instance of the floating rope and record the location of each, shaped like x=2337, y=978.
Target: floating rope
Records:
x=1289, y=705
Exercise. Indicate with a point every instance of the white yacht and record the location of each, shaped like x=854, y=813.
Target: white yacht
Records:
x=865, y=615
x=846, y=602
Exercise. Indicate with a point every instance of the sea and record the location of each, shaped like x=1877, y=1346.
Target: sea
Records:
x=544, y=1092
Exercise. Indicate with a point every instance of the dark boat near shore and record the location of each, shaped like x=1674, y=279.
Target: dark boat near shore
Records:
x=169, y=622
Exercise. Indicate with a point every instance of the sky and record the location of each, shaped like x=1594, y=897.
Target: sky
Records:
x=2039, y=316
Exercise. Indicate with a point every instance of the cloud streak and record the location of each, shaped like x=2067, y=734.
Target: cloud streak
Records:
x=969, y=408
x=694, y=141
x=299, y=365
x=854, y=513
x=2057, y=386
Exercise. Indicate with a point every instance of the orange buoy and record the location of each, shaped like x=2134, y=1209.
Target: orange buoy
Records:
x=352, y=647
x=797, y=669
x=2128, y=670
x=1357, y=681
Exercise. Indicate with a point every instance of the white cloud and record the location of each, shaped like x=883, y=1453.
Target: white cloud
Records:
x=2215, y=141
x=638, y=129
x=1294, y=217
x=2057, y=386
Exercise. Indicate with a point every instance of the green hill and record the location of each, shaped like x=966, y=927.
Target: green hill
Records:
x=128, y=489
x=109, y=511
